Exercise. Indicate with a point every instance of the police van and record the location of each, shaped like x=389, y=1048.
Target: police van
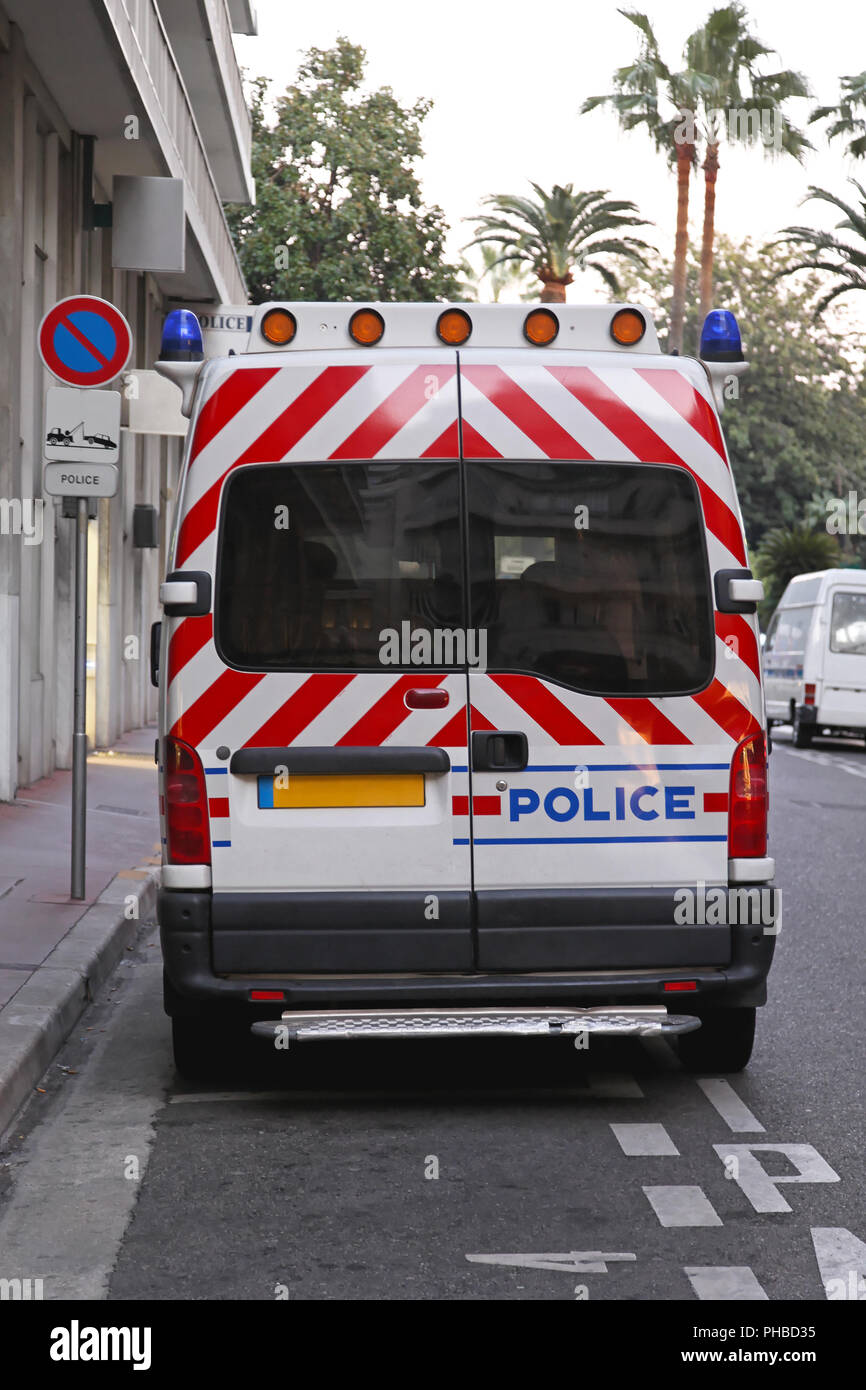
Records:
x=815, y=656
x=462, y=722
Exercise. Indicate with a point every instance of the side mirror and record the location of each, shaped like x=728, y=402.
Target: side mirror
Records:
x=186, y=594
x=155, y=637
x=737, y=591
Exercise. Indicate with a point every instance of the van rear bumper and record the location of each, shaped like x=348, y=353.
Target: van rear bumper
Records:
x=193, y=984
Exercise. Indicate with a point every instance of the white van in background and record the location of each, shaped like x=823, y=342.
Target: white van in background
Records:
x=815, y=656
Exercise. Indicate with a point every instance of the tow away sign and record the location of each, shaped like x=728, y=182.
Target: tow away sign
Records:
x=81, y=426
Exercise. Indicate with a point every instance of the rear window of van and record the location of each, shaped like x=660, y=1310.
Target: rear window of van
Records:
x=590, y=574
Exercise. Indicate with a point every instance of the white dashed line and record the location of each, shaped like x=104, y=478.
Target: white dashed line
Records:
x=725, y=1282
x=682, y=1206
x=735, y=1113
x=645, y=1141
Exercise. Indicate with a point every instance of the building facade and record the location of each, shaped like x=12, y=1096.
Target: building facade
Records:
x=91, y=90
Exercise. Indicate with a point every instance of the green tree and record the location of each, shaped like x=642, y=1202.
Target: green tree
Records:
x=848, y=118
x=496, y=278
x=558, y=230
x=783, y=554
x=795, y=429
x=339, y=212
x=825, y=252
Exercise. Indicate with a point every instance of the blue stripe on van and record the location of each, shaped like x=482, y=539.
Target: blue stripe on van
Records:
x=221, y=844
x=266, y=793
x=212, y=771
x=600, y=840
x=628, y=767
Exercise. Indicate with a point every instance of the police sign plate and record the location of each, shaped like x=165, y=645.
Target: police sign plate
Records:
x=81, y=479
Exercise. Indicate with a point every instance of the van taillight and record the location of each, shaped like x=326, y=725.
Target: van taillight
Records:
x=809, y=696
x=747, y=814
x=186, y=820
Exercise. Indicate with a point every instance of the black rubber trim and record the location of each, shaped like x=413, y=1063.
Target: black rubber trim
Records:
x=724, y=603
x=202, y=603
x=360, y=759
x=185, y=934
x=808, y=714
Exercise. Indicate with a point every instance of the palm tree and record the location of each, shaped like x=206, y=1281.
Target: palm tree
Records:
x=847, y=119
x=640, y=89
x=496, y=277
x=824, y=251
x=724, y=54
x=558, y=230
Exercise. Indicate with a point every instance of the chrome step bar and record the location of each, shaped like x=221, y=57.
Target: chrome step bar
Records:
x=645, y=1022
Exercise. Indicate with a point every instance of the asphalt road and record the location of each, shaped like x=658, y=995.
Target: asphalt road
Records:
x=475, y=1170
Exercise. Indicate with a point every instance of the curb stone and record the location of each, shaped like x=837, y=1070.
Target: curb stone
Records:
x=39, y=1018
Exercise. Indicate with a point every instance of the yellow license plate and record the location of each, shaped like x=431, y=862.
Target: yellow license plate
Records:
x=353, y=789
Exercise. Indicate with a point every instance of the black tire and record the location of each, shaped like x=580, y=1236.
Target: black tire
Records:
x=723, y=1042
x=803, y=733
x=210, y=1048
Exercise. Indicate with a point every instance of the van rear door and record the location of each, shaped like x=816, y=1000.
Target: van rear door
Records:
x=335, y=754
x=614, y=696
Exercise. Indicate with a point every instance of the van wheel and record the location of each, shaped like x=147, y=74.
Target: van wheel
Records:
x=803, y=733
x=208, y=1049
x=722, y=1043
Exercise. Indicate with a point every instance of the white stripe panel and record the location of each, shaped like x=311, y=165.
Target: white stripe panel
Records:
x=737, y=676
x=245, y=427
x=495, y=427
x=670, y=426
x=571, y=415
x=720, y=558
x=350, y=411
x=251, y=712
x=696, y=724
x=504, y=712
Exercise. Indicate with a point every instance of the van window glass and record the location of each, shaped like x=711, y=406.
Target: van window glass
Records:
x=616, y=597
x=771, y=632
x=316, y=560
x=848, y=624
x=801, y=591
x=793, y=629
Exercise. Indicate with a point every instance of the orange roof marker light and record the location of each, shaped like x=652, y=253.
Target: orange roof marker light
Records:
x=454, y=327
x=540, y=327
x=627, y=327
x=279, y=327
x=366, y=326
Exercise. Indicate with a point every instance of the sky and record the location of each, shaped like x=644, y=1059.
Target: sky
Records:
x=507, y=83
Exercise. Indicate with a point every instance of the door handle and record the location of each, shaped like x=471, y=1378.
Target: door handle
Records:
x=499, y=750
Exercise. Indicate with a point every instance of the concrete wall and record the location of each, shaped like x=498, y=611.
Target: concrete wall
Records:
x=45, y=255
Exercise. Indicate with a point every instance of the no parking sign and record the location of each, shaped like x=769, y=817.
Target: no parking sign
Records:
x=85, y=341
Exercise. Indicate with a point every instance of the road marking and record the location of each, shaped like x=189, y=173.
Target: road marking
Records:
x=76, y=1188
x=842, y=1263
x=613, y=1086
x=824, y=760
x=725, y=1282
x=682, y=1206
x=572, y=1262
x=645, y=1141
x=735, y=1113
x=758, y=1185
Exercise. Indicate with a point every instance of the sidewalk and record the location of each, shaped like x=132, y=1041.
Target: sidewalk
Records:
x=54, y=953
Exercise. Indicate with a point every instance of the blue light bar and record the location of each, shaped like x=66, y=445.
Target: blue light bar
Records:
x=181, y=338
x=720, y=337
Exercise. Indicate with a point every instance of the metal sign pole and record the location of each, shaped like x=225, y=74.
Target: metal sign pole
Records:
x=79, y=726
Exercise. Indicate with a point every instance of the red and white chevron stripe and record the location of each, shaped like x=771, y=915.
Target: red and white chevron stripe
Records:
x=405, y=405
